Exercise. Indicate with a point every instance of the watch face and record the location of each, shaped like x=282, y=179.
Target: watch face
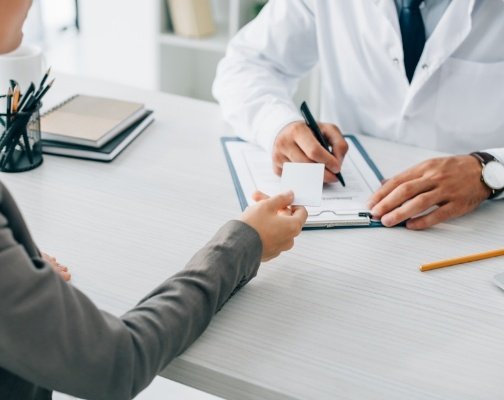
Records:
x=493, y=175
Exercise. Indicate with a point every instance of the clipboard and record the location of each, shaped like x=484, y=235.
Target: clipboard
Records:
x=251, y=170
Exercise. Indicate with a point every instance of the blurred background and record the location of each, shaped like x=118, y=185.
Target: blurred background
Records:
x=168, y=45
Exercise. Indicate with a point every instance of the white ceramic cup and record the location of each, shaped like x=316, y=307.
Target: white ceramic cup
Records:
x=26, y=64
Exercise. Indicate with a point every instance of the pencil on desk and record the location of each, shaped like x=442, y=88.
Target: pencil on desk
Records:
x=460, y=260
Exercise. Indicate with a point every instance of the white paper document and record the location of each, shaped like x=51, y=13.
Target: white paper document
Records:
x=252, y=170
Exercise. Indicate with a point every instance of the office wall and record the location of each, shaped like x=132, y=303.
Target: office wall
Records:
x=117, y=41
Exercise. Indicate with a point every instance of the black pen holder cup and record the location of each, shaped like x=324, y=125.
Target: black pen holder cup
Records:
x=20, y=142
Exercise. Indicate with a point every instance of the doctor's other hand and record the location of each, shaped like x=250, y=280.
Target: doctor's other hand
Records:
x=296, y=143
x=276, y=222
x=450, y=186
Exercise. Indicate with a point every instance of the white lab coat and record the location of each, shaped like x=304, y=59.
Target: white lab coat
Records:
x=455, y=102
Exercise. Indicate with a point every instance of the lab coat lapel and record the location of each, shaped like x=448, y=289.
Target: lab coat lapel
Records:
x=389, y=12
x=451, y=31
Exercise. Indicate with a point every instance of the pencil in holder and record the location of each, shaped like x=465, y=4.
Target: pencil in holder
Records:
x=20, y=142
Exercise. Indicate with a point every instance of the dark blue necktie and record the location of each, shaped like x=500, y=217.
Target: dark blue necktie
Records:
x=413, y=34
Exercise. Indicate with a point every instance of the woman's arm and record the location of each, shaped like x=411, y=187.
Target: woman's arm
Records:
x=51, y=334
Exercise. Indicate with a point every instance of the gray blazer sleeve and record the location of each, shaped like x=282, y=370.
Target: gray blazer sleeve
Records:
x=51, y=334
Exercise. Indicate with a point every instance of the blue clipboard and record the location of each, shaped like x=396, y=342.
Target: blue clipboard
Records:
x=243, y=201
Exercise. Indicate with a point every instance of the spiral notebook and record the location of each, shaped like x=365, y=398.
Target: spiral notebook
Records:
x=89, y=120
x=342, y=207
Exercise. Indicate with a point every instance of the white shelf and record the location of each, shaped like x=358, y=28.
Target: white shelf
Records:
x=187, y=66
x=217, y=42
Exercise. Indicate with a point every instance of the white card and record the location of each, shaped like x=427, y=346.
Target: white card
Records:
x=306, y=181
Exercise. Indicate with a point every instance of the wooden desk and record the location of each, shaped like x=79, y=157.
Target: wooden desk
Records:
x=345, y=315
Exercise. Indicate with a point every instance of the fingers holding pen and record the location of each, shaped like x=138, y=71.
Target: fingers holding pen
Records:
x=336, y=140
x=297, y=143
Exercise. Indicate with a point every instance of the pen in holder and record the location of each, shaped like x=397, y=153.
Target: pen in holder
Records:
x=20, y=144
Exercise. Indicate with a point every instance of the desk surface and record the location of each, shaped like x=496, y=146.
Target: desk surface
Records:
x=345, y=315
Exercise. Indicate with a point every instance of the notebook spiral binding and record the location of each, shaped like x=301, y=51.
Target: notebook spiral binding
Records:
x=59, y=105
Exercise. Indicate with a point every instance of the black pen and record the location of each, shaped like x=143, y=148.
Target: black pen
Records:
x=8, y=112
x=26, y=96
x=37, y=97
x=44, y=91
x=44, y=78
x=24, y=99
x=9, y=140
x=312, y=124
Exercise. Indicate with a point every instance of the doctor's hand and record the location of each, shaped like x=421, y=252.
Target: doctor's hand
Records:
x=449, y=186
x=296, y=143
x=276, y=222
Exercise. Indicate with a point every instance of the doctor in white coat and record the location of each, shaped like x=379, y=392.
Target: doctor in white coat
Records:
x=427, y=73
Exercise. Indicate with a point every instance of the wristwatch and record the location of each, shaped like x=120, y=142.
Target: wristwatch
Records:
x=492, y=174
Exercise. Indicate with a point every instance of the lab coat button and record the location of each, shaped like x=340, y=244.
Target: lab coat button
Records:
x=425, y=67
x=395, y=61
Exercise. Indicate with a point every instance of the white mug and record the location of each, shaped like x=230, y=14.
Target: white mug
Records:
x=26, y=64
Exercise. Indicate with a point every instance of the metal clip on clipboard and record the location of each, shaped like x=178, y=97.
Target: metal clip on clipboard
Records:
x=332, y=219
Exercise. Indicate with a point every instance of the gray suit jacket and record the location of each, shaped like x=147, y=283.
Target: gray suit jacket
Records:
x=52, y=337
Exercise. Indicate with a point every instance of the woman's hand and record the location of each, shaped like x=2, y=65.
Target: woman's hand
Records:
x=60, y=269
x=276, y=222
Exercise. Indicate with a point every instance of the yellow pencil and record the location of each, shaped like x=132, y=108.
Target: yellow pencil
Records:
x=461, y=260
x=15, y=99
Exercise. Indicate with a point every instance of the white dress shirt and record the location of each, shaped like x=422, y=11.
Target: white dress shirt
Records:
x=455, y=102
